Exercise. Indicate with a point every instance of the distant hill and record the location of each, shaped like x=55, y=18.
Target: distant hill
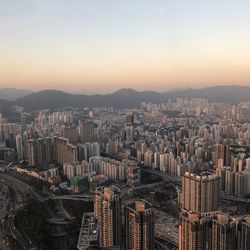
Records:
x=12, y=94
x=124, y=98
x=127, y=98
x=5, y=106
x=230, y=94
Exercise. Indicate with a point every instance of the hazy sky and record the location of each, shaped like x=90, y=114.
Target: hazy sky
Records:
x=103, y=45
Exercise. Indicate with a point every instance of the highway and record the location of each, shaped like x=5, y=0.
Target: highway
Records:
x=21, y=190
x=18, y=194
x=4, y=207
x=164, y=244
x=18, y=189
x=232, y=198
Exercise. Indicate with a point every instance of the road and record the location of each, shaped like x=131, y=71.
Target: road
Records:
x=164, y=244
x=232, y=198
x=18, y=194
x=17, y=189
x=177, y=180
x=165, y=176
x=4, y=207
x=21, y=190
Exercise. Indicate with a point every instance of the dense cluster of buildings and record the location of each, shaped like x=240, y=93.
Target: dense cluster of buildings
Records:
x=206, y=144
x=51, y=150
x=113, y=170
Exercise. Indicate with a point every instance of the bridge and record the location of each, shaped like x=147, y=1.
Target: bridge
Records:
x=227, y=197
x=69, y=197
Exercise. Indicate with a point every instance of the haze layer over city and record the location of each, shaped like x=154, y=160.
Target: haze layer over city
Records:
x=124, y=125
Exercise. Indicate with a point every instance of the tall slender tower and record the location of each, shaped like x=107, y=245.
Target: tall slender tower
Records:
x=40, y=151
x=19, y=147
x=48, y=150
x=107, y=208
x=25, y=145
x=32, y=152
x=139, y=222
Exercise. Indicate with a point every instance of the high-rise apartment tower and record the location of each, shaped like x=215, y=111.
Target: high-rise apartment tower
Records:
x=139, y=223
x=107, y=208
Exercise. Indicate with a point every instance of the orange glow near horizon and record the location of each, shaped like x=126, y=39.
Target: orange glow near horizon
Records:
x=96, y=47
x=147, y=75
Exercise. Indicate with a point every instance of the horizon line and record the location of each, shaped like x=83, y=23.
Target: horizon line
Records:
x=89, y=92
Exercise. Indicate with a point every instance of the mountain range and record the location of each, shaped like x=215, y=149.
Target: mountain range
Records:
x=12, y=94
x=123, y=98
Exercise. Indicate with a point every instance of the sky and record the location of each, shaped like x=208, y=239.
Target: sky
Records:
x=96, y=46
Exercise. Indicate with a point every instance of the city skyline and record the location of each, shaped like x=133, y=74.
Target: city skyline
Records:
x=154, y=175
x=99, y=47
x=125, y=125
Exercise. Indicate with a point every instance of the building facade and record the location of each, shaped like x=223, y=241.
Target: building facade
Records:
x=107, y=207
x=139, y=224
x=200, y=193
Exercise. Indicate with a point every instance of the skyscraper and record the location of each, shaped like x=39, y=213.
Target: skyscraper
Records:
x=107, y=208
x=130, y=118
x=213, y=231
x=244, y=233
x=69, y=132
x=19, y=147
x=25, y=140
x=200, y=192
x=218, y=153
x=133, y=175
x=224, y=234
x=139, y=223
x=32, y=152
x=88, y=131
x=192, y=231
x=129, y=126
x=129, y=132
x=48, y=150
x=40, y=151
